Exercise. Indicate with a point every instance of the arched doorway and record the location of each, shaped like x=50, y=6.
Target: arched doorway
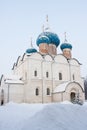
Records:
x=72, y=96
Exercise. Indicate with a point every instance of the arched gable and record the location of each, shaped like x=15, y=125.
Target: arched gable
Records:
x=48, y=58
x=73, y=86
x=37, y=56
x=67, y=87
x=74, y=61
x=60, y=58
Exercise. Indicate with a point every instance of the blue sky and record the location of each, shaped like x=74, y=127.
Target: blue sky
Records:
x=22, y=19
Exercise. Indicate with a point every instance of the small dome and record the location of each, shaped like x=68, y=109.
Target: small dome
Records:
x=42, y=39
x=53, y=38
x=31, y=50
x=66, y=45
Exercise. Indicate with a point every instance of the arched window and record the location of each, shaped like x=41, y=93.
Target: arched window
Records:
x=48, y=91
x=37, y=92
x=73, y=77
x=60, y=76
x=47, y=74
x=35, y=73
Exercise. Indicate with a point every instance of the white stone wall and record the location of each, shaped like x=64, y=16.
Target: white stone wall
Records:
x=16, y=93
x=65, y=95
x=58, y=97
x=29, y=64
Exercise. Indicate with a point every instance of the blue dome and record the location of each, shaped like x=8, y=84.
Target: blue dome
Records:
x=31, y=50
x=42, y=39
x=66, y=45
x=53, y=38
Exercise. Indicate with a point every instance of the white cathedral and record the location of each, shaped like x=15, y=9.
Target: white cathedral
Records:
x=44, y=76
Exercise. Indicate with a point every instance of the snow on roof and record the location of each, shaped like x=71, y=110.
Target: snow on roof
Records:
x=12, y=81
x=61, y=87
x=11, y=76
x=54, y=116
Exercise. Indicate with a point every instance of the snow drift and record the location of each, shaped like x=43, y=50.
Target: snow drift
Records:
x=56, y=116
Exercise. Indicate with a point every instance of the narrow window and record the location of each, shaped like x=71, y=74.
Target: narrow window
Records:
x=37, y=91
x=60, y=76
x=47, y=74
x=35, y=73
x=73, y=77
x=48, y=91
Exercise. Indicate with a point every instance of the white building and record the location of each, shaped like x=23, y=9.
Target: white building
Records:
x=44, y=76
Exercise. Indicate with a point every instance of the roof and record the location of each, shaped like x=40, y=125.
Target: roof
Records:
x=12, y=77
x=43, y=39
x=13, y=81
x=65, y=45
x=61, y=87
x=51, y=38
x=31, y=50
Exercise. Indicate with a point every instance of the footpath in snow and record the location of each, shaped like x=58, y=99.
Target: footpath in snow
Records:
x=56, y=116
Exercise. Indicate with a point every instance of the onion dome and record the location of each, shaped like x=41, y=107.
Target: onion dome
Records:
x=66, y=45
x=31, y=49
x=49, y=38
x=42, y=39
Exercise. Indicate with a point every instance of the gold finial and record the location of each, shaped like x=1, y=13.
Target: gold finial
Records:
x=65, y=40
x=31, y=42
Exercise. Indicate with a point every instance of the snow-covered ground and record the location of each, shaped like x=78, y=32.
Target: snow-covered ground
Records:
x=56, y=116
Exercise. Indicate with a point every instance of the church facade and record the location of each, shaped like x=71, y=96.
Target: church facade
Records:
x=44, y=76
